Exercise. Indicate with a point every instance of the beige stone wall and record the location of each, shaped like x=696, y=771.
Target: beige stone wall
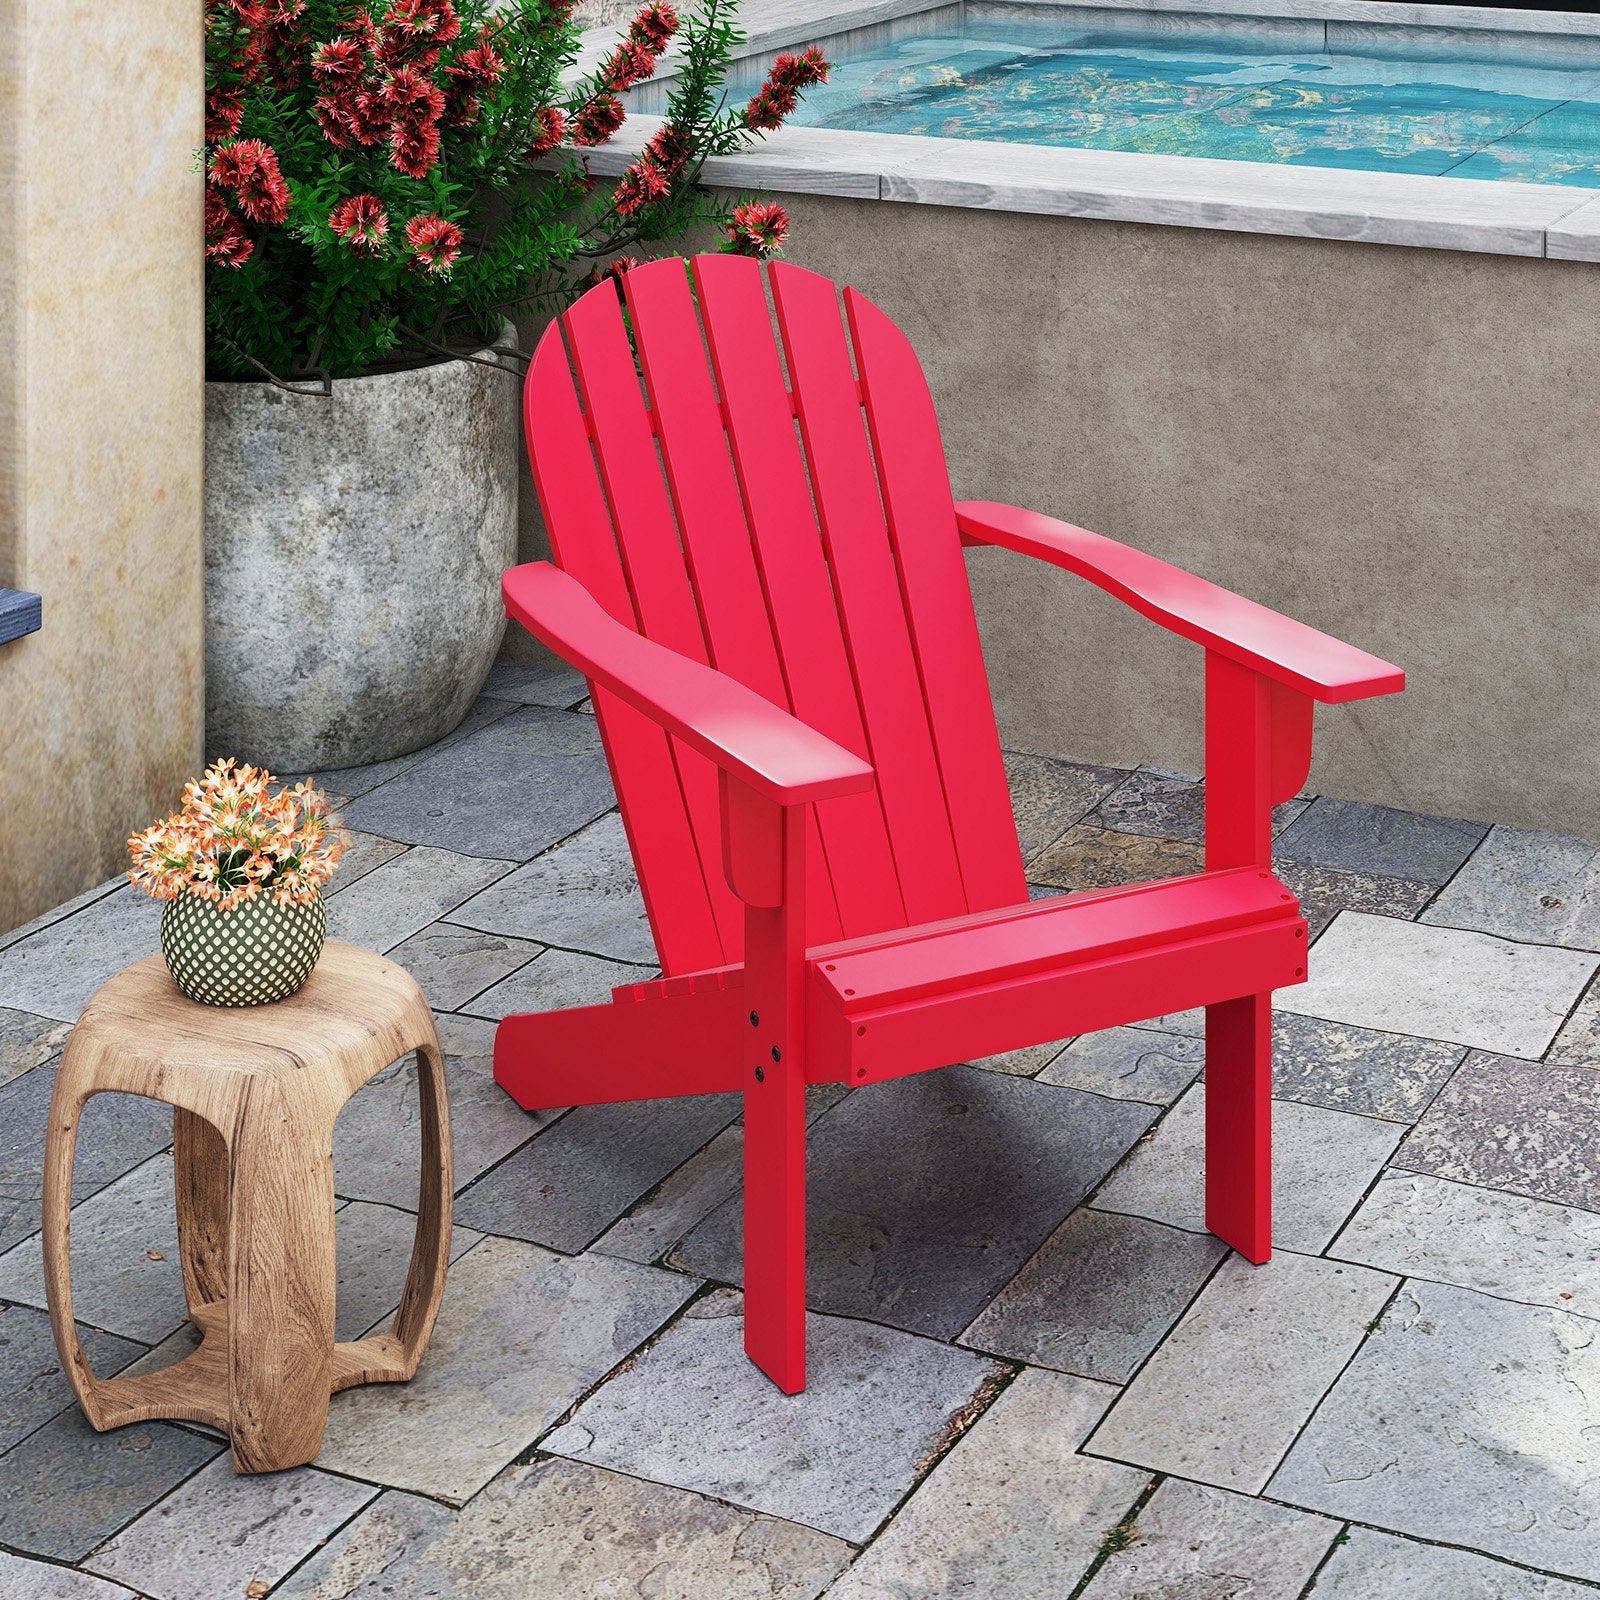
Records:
x=100, y=431
x=1401, y=446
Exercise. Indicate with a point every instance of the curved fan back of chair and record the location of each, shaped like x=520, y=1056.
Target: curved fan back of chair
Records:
x=770, y=496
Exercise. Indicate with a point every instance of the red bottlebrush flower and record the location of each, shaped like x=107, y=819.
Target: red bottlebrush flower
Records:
x=226, y=241
x=614, y=270
x=655, y=25
x=552, y=130
x=340, y=63
x=224, y=113
x=758, y=228
x=435, y=243
x=433, y=22
x=670, y=148
x=414, y=148
x=627, y=65
x=642, y=184
x=276, y=48
x=478, y=67
x=361, y=222
x=598, y=119
x=780, y=94
x=250, y=169
x=406, y=92
x=357, y=118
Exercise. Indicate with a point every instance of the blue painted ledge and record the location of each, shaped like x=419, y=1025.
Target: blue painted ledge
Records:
x=20, y=613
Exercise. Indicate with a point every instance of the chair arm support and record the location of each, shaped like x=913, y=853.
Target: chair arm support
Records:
x=776, y=755
x=1279, y=648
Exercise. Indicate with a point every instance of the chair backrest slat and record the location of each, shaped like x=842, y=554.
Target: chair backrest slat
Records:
x=804, y=614
x=710, y=511
x=798, y=534
x=652, y=558
x=944, y=630
x=578, y=521
x=868, y=587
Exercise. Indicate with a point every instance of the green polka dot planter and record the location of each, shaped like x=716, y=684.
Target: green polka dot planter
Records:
x=257, y=953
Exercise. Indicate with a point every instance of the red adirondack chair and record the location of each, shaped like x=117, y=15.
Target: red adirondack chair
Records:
x=777, y=629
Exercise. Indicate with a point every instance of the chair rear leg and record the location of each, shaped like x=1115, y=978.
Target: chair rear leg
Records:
x=775, y=1224
x=1239, y=1124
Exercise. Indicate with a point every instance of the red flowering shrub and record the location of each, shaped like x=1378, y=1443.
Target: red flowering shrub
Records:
x=385, y=179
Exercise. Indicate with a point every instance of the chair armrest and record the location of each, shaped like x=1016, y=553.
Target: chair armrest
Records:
x=1275, y=646
x=775, y=754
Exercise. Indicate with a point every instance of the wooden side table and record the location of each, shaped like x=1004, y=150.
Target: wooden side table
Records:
x=255, y=1093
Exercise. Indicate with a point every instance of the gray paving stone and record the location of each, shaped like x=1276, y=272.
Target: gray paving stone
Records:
x=1191, y=1023
x=556, y=979
x=1323, y=892
x=1344, y=1068
x=363, y=852
x=219, y=1532
x=522, y=1333
x=1207, y=1544
x=1130, y=1064
x=507, y=791
x=1380, y=1566
x=451, y=964
x=663, y=1217
x=1023, y=1063
x=1519, y=1125
x=377, y=1139
x=374, y=1249
x=404, y=895
x=1503, y=1244
x=1322, y=1163
x=33, y=1388
x=1379, y=840
x=26, y=1041
x=564, y=1531
x=1049, y=795
x=349, y=782
x=693, y=1411
x=581, y=894
x=53, y=973
x=1578, y=1042
x=61, y=912
x=545, y=683
x=116, y=1133
x=21, y=1579
x=1543, y=887
x=1440, y=983
x=126, y=1276
x=566, y=1187
x=1087, y=857
x=1099, y=1296
x=1165, y=805
x=66, y=1488
x=928, y=1193
x=1011, y=1513
x=1465, y=1419
x=1223, y=1398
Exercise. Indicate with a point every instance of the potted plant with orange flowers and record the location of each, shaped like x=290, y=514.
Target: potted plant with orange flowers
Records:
x=386, y=186
x=241, y=867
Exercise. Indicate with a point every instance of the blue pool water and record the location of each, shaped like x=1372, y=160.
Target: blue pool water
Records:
x=1231, y=97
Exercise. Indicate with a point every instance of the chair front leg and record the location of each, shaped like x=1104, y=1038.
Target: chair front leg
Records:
x=764, y=855
x=1258, y=751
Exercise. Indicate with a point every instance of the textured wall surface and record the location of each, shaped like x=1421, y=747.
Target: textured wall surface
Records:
x=100, y=431
x=1396, y=445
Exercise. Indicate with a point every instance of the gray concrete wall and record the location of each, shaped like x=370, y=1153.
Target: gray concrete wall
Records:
x=1400, y=446
x=100, y=432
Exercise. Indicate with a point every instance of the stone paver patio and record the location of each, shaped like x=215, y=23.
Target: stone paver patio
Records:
x=1033, y=1374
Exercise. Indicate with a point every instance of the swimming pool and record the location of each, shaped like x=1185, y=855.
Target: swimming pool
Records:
x=998, y=73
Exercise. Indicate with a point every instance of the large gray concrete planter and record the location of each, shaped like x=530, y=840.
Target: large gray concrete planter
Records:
x=354, y=547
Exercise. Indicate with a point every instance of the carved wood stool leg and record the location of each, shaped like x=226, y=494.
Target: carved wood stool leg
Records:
x=393, y=1357
x=281, y=1282
x=72, y=1090
x=200, y=1179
